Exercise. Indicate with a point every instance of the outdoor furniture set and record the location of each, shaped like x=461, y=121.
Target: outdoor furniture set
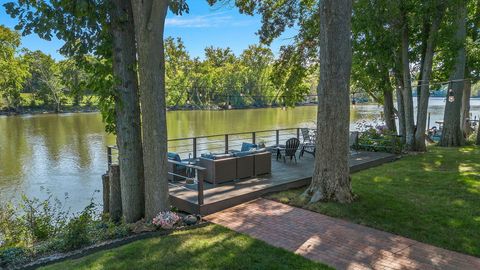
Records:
x=248, y=162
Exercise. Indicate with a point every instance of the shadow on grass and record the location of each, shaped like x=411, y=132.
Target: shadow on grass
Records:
x=211, y=247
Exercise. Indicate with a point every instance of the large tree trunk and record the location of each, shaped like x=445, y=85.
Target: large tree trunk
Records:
x=465, y=116
x=452, y=132
x=407, y=87
x=388, y=108
x=331, y=177
x=426, y=72
x=127, y=111
x=149, y=18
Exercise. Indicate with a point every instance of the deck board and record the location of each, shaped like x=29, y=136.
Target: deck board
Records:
x=284, y=176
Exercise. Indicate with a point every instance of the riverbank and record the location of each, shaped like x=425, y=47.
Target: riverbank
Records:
x=82, y=109
x=40, y=110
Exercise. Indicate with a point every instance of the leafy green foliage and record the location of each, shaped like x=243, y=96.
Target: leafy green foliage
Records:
x=35, y=227
x=13, y=71
x=12, y=256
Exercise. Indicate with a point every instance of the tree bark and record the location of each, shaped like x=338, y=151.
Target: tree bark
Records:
x=127, y=111
x=400, y=105
x=477, y=142
x=115, y=193
x=331, y=178
x=149, y=18
x=426, y=72
x=106, y=193
x=467, y=92
x=407, y=87
x=388, y=108
x=452, y=132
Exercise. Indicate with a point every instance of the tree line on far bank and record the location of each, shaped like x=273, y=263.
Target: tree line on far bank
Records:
x=221, y=79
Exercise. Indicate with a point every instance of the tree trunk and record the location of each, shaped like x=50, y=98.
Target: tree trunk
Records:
x=388, y=108
x=127, y=111
x=115, y=200
x=331, y=178
x=149, y=18
x=422, y=108
x=400, y=106
x=477, y=142
x=465, y=116
x=452, y=133
x=425, y=34
x=106, y=193
x=407, y=88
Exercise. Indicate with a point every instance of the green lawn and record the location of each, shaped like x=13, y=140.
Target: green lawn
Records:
x=210, y=247
x=433, y=198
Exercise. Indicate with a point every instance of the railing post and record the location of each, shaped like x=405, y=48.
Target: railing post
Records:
x=277, y=136
x=109, y=156
x=428, y=121
x=298, y=133
x=194, y=143
x=254, y=137
x=226, y=143
x=200, y=186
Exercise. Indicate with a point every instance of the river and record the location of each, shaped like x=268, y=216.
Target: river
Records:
x=65, y=153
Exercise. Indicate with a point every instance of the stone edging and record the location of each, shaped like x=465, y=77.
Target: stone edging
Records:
x=110, y=244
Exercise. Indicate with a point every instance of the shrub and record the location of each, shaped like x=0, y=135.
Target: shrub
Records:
x=166, y=219
x=374, y=136
x=76, y=233
x=11, y=256
x=12, y=231
x=44, y=226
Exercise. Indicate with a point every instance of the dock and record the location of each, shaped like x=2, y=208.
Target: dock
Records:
x=284, y=176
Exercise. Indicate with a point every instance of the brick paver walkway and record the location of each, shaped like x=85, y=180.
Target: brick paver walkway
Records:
x=336, y=242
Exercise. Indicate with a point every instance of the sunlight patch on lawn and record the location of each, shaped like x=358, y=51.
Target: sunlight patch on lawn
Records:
x=382, y=179
x=458, y=202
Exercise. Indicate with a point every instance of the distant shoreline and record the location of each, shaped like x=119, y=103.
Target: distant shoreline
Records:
x=36, y=111
x=40, y=110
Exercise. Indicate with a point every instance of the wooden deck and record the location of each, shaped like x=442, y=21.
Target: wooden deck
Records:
x=284, y=176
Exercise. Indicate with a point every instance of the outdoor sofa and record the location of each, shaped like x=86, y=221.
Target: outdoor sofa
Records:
x=221, y=168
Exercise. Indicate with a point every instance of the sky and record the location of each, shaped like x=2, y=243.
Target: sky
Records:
x=219, y=26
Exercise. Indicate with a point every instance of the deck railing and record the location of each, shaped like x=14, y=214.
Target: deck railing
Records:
x=225, y=142
x=191, y=146
x=198, y=172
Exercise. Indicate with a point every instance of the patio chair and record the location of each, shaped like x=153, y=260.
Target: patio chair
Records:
x=291, y=147
x=308, y=144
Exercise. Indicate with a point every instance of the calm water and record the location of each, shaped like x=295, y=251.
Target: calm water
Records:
x=66, y=153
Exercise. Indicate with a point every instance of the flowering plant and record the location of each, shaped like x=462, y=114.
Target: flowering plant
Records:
x=166, y=219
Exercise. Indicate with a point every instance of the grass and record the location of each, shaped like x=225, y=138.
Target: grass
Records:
x=433, y=198
x=210, y=247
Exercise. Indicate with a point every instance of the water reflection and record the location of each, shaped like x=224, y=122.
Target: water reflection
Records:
x=66, y=153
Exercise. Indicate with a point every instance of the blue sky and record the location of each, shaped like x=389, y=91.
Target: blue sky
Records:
x=219, y=26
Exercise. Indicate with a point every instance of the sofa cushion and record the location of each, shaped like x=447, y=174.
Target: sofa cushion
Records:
x=216, y=156
x=243, y=153
x=248, y=146
x=208, y=156
x=221, y=156
x=174, y=156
